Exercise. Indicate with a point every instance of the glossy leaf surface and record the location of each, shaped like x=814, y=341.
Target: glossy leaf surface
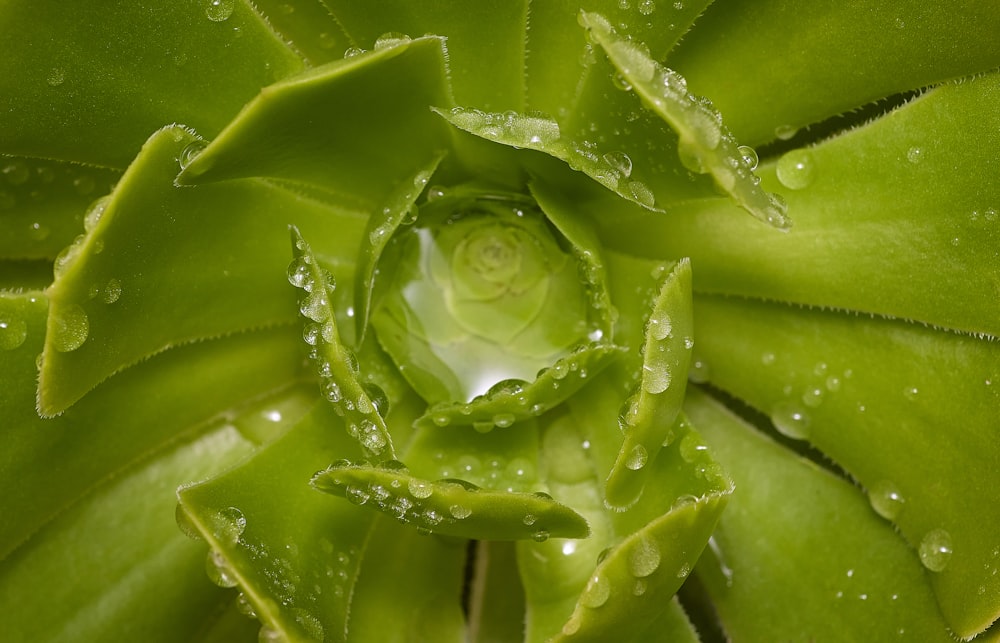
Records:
x=520, y=248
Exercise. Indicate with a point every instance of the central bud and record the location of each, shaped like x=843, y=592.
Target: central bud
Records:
x=480, y=290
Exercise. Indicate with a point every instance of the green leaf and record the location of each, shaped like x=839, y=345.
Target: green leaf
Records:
x=361, y=406
x=799, y=555
x=308, y=28
x=92, y=584
x=399, y=209
x=510, y=401
x=452, y=508
x=772, y=67
x=389, y=89
x=87, y=445
x=555, y=42
x=485, y=56
x=124, y=292
x=884, y=223
x=875, y=395
x=649, y=415
x=705, y=145
x=254, y=519
x=90, y=82
x=43, y=204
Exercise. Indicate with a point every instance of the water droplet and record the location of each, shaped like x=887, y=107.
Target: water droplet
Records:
x=218, y=569
x=637, y=458
x=886, y=499
x=299, y=273
x=219, y=10
x=56, y=77
x=16, y=172
x=646, y=7
x=791, y=420
x=596, y=593
x=698, y=371
x=785, y=132
x=244, y=607
x=621, y=82
x=935, y=550
x=540, y=536
x=620, y=161
x=644, y=558
x=796, y=170
x=572, y=626
x=315, y=306
x=459, y=512
x=660, y=326
x=655, y=380
x=767, y=359
x=191, y=152
x=420, y=489
x=70, y=328
x=914, y=154
x=529, y=519
x=112, y=291
x=483, y=426
x=749, y=157
x=357, y=495
x=911, y=392
x=271, y=634
x=13, y=332
x=185, y=524
x=813, y=397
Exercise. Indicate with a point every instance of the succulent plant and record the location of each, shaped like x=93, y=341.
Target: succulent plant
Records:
x=625, y=320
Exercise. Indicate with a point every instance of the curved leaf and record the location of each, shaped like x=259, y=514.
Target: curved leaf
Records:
x=881, y=398
x=87, y=444
x=452, y=508
x=336, y=364
x=125, y=292
x=799, y=555
x=388, y=89
x=101, y=587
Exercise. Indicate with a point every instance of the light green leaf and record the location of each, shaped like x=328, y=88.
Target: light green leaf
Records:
x=649, y=415
x=884, y=222
x=705, y=144
x=124, y=293
x=389, y=89
x=510, y=401
x=95, y=586
x=799, y=555
x=361, y=406
x=881, y=397
x=452, y=507
x=87, y=445
x=555, y=42
x=399, y=209
x=256, y=534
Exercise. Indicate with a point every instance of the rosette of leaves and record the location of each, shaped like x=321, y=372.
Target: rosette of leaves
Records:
x=499, y=322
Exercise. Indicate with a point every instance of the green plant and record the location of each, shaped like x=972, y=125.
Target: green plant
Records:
x=514, y=242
